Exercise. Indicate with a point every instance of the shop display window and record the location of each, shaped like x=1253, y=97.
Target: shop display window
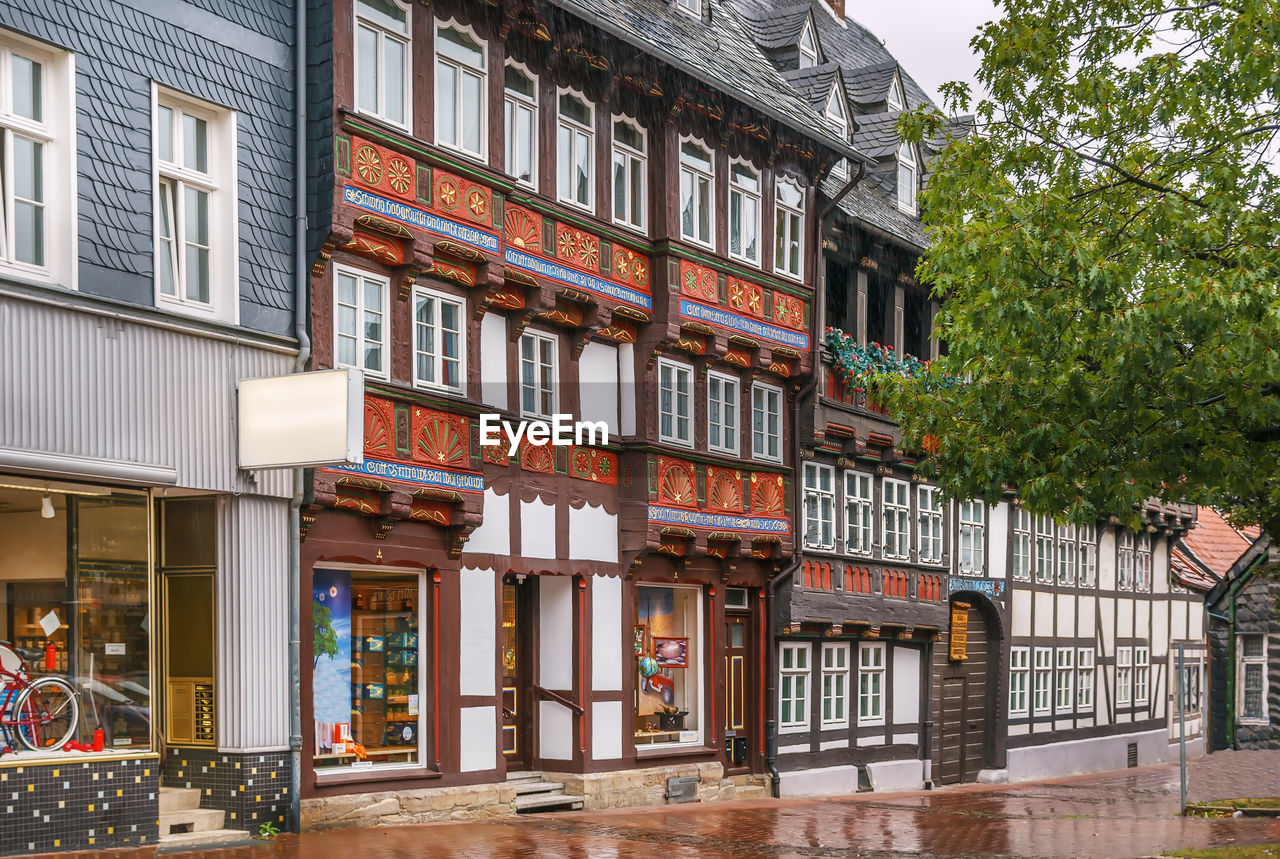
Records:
x=365, y=661
x=668, y=648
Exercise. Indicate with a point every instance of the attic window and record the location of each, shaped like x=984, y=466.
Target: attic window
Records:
x=895, y=99
x=690, y=7
x=835, y=114
x=808, y=47
x=906, y=179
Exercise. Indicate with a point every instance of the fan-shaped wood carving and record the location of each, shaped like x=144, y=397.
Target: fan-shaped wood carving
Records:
x=766, y=494
x=677, y=483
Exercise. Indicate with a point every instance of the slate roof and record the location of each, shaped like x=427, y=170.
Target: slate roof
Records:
x=814, y=83
x=870, y=84
x=778, y=27
x=876, y=134
x=1209, y=550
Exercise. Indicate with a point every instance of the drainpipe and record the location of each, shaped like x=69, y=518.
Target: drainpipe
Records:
x=771, y=739
x=300, y=304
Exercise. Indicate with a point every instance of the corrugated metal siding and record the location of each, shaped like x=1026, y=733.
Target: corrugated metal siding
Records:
x=73, y=382
x=253, y=624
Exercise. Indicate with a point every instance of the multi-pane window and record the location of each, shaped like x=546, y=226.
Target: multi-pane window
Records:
x=1066, y=554
x=1191, y=688
x=722, y=413
x=1124, y=560
x=538, y=361
x=675, y=403
x=1064, y=688
x=871, y=684
x=807, y=47
x=835, y=685
x=31, y=110
x=382, y=60
x=793, y=686
x=1044, y=549
x=1141, y=674
x=1088, y=556
x=744, y=213
x=906, y=179
x=788, y=221
x=438, y=329
x=629, y=168
x=1124, y=676
x=766, y=422
x=460, y=91
x=1142, y=563
x=1085, y=672
x=520, y=120
x=1253, y=676
x=837, y=115
x=896, y=510
x=575, y=150
x=858, y=506
x=360, y=320
x=973, y=531
x=697, y=197
x=1018, y=671
x=1042, y=679
x=819, y=506
x=929, y=511
x=1021, y=544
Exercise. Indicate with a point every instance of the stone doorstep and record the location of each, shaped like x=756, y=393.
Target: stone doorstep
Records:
x=524, y=788
x=199, y=819
x=219, y=837
x=179, y=798
x=548, y=802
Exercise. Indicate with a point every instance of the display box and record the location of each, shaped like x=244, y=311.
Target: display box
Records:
x=374, y=643
x=403, y=640
x=402, y=658
x=401, y=733
x=375, y=691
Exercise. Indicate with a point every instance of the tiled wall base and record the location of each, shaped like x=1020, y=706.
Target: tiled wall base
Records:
x=251, y=787
x=78, y=804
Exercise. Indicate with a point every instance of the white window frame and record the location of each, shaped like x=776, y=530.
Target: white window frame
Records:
x=837, y=113
x=859, y=512
x=820, y=505
x=723, y=412
x=1042, y=681
x=1019, y=680
x=1142, y=563
x=1243, y=662
x=1064, y=696
x=835, y=685
x=1141, y=675
x=461, y=70
x=383, y=34
x=1067, y=555
x=692, y=8
x=929, y=524
x=894, y=99
x=743, y=193
x=871, y=683
x=972, y=552
x=1124, y=676
x=808, y=54
x=437, y=358
x=1124, y=560
x=540, y=370
x=1192, y=685
x=793, y=666
x=783, y=229
x=630, y=157
x=762, y=396
x=1044, y=545
x=907, y=179
x=1023, y=527
x=696, y=174
x=1086, y=673
x=682, y=388
x=895, y=505
x=363, y=277
x=1088, y=572
x=577, y=131
x=512, y=104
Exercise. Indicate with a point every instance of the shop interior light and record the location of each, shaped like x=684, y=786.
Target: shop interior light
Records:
x=46, y=506
x=52, y=487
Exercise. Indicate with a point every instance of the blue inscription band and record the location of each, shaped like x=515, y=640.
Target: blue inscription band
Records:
x=406, y=473
x=423, y=220
x=755, y=328
x=718, y=521
x=581, y=280
x=990, y=588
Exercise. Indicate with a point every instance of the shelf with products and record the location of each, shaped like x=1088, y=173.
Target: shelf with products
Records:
x=384, y=666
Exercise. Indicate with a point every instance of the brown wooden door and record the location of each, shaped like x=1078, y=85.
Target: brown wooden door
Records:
x=737, y=660
x=516, y=668
x=964, y=708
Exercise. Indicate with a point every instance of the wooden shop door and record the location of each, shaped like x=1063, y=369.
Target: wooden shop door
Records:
x=964, y=708
x=517, y=667
x=737, y=691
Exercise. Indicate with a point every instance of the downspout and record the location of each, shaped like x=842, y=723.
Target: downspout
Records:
x=771, y=758
x=300, y=304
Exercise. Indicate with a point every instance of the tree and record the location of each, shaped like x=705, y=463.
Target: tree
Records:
x=326, y=642
x=1105, y=245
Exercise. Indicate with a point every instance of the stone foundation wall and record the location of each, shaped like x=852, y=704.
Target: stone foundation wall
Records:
x=633, y=788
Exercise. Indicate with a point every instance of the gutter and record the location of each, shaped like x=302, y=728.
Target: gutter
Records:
x=771, y=661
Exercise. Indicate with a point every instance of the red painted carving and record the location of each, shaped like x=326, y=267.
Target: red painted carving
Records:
x=677, y=482
x=457, y=196
x=522, y=229
x=379, y=417
x=376, y=248
x=537, y=457
x=383, y=170
x=598, y=466
x=766, y=494
x=629, y=266
x=458, y=272
x=724, y=490
x=698, y=282
x=788, y=311
x=440, y=438
x=498, y=454
x=746, y=297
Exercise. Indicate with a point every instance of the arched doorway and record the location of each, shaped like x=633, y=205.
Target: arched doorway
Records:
x=965, y=667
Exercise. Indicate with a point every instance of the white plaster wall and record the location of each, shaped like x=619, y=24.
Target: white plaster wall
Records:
x=537, y=529
x=906, y=685
x=1020, y=615
x=606, y=634
x=606, y=730
x=555, y=632
x=1107, y=614
x=1107, y=559
x=1196, y=632
x=627, y=387
x=1066, y=614
x=1124, y=617
x=494, y=534
x=593, y=534
x=1159, y=630
x=478, y=639
x=1105, y=695
x=1086, y=617
x=1178, y=621
x=998, y=546
x=478, y=739
x=1083, y=756
x=1160, y=566
x=555, y=731
x=1142, y=611
x=1043, y=613
x=493, y=360
x=598, y=384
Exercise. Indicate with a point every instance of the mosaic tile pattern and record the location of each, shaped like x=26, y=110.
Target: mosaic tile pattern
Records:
x=252, y=788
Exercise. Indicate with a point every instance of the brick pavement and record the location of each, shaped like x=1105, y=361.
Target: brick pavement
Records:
x=1228, y=775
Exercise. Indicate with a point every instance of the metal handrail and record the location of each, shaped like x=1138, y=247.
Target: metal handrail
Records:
x=547, y=694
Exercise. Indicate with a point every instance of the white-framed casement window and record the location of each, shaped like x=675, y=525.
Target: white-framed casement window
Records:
x=1042, y=679
x=1124, y=560
x=788, y=225
x=894, y=99
x=1085, y=673
x=793, y=687
x=439, y=340
x=766, y=422
x=675, y=403
x=807, y=47
x=819, y=506
x=575, y=150
x=1065, y=686
x=895, y=505
x=1141, y=674
x=907, y=179
x=1251, y=674
x=1088, y=556
x=382, y=60
x=539, y=360
x=461, y=93
x=722, y=413
x=1019, y=669
x=1124, y=676
x=858, y=512
x=929, y=514
x=630, y=168
x=973, y=537
x=835, y=685
x=520, y=121
x=360, y=320
x=1044, y=549
x=196, y=247
x=744, y=212
x=1066, y=554
x=692, y=8
x=1191, y=672
x=1142, y=563
x=697, y=193
x=870, y=683
x=838, y=116
x=1021, y=544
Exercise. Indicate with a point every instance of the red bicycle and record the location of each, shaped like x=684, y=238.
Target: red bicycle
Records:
x=42, y=714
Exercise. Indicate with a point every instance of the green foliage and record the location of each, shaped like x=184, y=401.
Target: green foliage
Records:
x=326, y=641
x=856, y=363
x=268, y=830
x=1105, y=244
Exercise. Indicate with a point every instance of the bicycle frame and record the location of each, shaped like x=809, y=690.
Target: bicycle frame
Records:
x=36, y=712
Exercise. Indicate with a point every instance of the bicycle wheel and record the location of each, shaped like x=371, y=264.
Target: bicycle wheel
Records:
x=48, y=714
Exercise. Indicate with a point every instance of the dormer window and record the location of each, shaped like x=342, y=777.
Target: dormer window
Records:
x=906, y=179
x=690, y=7
x=894, y=98
x=836, y=115
x=808, y=46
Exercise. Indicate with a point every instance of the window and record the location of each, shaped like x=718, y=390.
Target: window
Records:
x=973, y=535
x=1064, y=697
x=894, y=99
x=1253, y=677
x=382, y=60
x=793, y=688
x=906, y=179
x=575, y=151
x=1041, y=678
x=1021, y=544
x=871, y=684
x=360, y=326
x=744, y=213
x=1066, y=554
x=788, y=218
x=897, y=519
x=1044, y=549
x=1142, y=564
x=819, y=506
x=675, y=403
x=671, y=617
x=538, y=361
x=439, y=351
x=836, y=115
x=929, y=508
x=858, y=503
x=1191, y=688
x=1124, y=676
x=1141, y=674
x=690, y=7
x=722, y=413
x=1018, y=671
x=461, y=98
x=766, y=422
x=835, y=685
x=520, y=119
x=1085, y=661
x=1124, y=560
x=1088, y=556
x=629, y=166
x=195, y=219
x=697, y=184
x=807, y=47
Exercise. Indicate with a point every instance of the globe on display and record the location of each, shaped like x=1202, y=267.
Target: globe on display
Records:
x=648, y=666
